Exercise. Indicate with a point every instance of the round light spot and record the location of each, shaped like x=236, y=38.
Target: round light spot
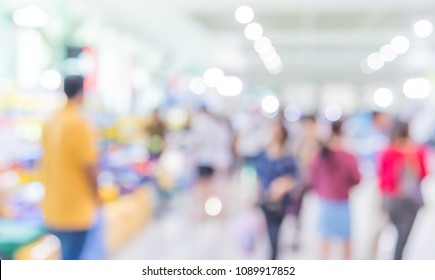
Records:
x=263, y=45
x=253, y=31
x=375, y=61
x=213, y=206
x=423, y=28
x=51, y=79
x=293, y=113
x=270, y=104
x=400, y=44
x=418, y=88
x=213, y=76
x=383, y=97
x=387, y=53
x=333, y=112
x=244, y=14
x=197, y=86
x=230, y=86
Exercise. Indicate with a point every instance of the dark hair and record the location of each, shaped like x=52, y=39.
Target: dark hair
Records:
x=283, y=131
x=309, y=118
x=336, y=130
x=73, y=85
x=400, y=131
x=375, y=114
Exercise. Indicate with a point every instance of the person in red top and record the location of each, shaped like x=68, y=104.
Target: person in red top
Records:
x=402, y=168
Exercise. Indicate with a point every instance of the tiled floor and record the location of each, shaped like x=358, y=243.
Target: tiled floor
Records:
x=181, y=234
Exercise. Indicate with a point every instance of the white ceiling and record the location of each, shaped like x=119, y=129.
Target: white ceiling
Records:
x=318, y=40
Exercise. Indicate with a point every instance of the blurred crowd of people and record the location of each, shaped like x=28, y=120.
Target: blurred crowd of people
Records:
x=290, y=159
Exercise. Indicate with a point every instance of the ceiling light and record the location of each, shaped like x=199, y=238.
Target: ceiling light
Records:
x=213, y=76
x=375, y=61
x=230, y=86
x=253, y=31
x=383, y=97
x=400, y=44
x=387, y=53
x=270, y=104
x=263, y=45
x=244, y=14
x=423, y=28
x=418, y=88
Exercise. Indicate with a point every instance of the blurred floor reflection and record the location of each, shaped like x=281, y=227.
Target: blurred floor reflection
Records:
x=180, y=234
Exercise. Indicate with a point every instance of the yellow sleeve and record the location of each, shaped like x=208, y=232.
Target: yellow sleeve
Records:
x=86, y=148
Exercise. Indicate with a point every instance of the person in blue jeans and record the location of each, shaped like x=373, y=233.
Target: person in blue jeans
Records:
x=277, y=174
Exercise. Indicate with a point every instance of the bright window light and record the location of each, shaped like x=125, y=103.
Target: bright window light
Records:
x=30, y=16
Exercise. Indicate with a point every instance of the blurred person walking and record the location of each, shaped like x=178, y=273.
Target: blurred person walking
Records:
x=156, y=132
x=333, y=173
x=402, y=168
x=307, y=149
x=204, y=128
x=277, y=175
x=379, y=138
x=69, y=165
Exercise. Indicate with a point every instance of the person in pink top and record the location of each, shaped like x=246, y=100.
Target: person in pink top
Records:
x=402, y=167
x=333, y=173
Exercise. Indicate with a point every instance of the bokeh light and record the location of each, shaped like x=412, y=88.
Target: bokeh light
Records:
x=292, y=113
x=375, y=61
x=244, y=14
x=263, y=45
x=270, y=104
x=423, y=28
x=333, y=112
x=383, y=97
x=417, y=88
x=197, y=86
x=177, y=117
x=253, y=31
x=213, y=206
x=51, y=79
x=230, y=86
x=213, y=76
x=387, y=53
x=400, y=44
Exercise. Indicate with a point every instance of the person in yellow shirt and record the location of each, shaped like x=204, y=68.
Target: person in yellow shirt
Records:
x=69, y=167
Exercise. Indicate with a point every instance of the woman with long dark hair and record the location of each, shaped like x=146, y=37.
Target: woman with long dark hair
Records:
x=277, y=173
x=402, y=167
x=333, y=174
